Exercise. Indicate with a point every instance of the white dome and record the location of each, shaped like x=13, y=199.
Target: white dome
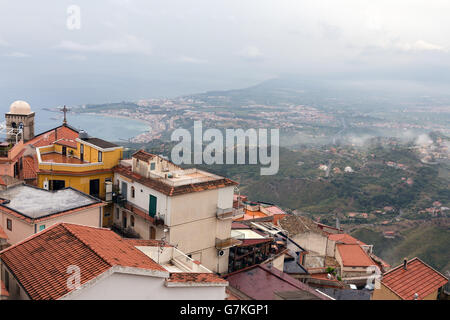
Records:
x=20, y=107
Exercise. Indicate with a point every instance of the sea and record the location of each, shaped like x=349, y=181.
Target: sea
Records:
x=103, y=127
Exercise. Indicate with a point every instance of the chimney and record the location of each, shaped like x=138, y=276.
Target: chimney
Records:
x=405, y=263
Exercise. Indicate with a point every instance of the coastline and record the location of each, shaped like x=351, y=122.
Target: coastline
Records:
x=112, y=116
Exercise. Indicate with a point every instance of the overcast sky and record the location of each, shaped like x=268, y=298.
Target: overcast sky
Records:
x=132, y=49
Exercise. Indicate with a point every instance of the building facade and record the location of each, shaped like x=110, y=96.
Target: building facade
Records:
x=190, y=209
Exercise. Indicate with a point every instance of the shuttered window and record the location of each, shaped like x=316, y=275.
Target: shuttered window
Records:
x=152, y=206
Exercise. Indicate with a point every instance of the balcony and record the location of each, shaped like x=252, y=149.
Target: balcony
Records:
x=230, y=213
x=222, y=244
x=119, y=200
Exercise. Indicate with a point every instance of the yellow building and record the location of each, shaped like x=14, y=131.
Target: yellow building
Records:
x=84, y=164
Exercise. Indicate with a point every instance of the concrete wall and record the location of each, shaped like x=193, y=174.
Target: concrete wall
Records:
x=16, y=291
x=383, y=293
x=312, y=241
x=126, y=286
x=22, y=229
x=191, y=220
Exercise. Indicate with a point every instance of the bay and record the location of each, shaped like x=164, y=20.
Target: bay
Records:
x=108, y=128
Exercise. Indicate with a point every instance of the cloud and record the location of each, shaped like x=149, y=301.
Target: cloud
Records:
x=76, y=57
x=17, y=55
x=126, y=44
x=251, y=53
x=193, y=60
x=420, y=45
x=423, y=140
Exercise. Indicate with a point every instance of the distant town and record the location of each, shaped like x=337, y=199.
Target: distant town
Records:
x=81, y=221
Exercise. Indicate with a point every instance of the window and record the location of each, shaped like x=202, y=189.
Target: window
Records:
x=152, y=206
x=41, y=227
x=117, y=213
x=152, y=166
x=100, y=156
x=132, y=221
x=9, y=224
x=132, y=192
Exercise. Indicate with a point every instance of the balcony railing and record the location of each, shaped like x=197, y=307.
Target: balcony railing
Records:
x=230, y=213
x=229, y=242
x=119, y=200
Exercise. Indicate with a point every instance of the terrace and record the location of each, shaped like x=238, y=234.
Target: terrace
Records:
x=172, y=259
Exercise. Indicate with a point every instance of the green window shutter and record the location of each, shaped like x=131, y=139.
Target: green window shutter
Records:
x=152, y=206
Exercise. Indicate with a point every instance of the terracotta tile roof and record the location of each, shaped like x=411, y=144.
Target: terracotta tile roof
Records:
x=261, y=282
x=48, y=137
x=418, y=278
x=252, y=242
x=3, y=235
x=345, y=238
x=299, y=224
x=40, y=262
x=187, y=277
x=174, y=190
x=145, y=243
x=354, y=256
x=30, y=168
x=3, y=291
x=143, y=155
x=66, y=142
x=237, y=225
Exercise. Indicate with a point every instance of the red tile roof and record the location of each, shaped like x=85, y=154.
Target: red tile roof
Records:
x=252, y=242
x=48, y=137
x=261, y=282
x=170, y=190
x=354, y=256
x=196, y=278
x=143, y=155
x=67, y=142
x=40, y=262
x=145, y=243
x=237, y=225
x=30, y=168
x=418, y=278
x=345, y=238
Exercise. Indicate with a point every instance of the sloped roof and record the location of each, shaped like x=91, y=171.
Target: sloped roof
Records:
x=30, y=168
x=48, y=137
x=40, y=263
x=173, y=190
x=418, y=278
x=261, y=282
x=354, y=256
x=143, y=155
x=100, y=143
x=197, y=278
x=294, y=225
x=345, y=238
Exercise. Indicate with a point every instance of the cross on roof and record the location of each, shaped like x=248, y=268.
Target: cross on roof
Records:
x=65, y=111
